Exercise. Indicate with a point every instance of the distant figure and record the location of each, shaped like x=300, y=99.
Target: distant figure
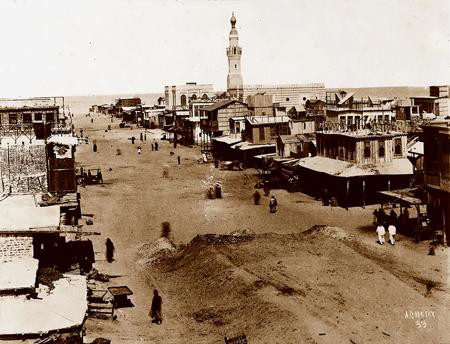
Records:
x=216, y=163
x=139, y=150
x=145, y=137
x=381, y=232
x=266, y=188
x=155, y=311
x=273, y=204
x=256, y=197
x=179, y=159
x=94, y=147
x=392, y=232
x=156, y=146
x=109, y=250
x=92, y=120
x=153, y=147
x=132, y=140
x=142, y=137
x=218, y=190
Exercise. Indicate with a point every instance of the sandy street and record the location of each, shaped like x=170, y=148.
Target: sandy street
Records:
x=284, y=286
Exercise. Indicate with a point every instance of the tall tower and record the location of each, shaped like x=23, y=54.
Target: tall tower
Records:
x=234, y=52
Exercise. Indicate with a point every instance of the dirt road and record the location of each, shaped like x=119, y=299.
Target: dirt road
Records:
x=362, y=283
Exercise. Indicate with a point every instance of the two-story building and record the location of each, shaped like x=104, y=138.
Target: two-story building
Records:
x=437, y=174
x=350, y=113
x=353, y=166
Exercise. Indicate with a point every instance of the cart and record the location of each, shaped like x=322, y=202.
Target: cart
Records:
x=120, y=295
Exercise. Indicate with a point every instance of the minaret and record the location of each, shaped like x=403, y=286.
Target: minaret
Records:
x=234, y=52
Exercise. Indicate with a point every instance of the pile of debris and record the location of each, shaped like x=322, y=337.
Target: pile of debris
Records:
x=151, y=253
x=224, y=239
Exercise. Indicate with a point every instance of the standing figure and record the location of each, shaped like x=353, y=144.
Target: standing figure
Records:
x=266, y=188
x=94, y=147
x=145, y=137
x=381, y=232
x=256, y=197
x=392, y=232
x=179, y=160
x=156, y=146
x=139, y=150
x=273, y=204
x=153, y=147
x=155, y=311
x=142, y=137
x=109, y=250
x=132, y=140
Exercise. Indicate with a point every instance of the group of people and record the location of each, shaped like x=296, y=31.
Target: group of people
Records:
x=384, y=222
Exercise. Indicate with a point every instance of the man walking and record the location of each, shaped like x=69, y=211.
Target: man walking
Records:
x=392, y=232
x=155, y=311
x=381, y=232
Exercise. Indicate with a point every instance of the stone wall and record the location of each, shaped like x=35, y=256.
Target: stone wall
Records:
x=15, y=246
x=24, y=168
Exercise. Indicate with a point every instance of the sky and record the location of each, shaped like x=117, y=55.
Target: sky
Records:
x=58, y=47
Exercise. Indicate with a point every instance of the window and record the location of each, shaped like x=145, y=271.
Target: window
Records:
x=12, y=118
x=261, y=134
x=398, y=147
x=381, y=149
x=367, y=149
x=183, y=100
x=27, y=118
x=38, y=116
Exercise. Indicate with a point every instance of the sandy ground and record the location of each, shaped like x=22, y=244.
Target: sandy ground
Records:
x=345, y=291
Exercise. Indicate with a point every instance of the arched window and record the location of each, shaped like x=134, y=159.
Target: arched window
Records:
x=234, y=50
x=183, y=100
x=205, y=97
x=194, y=97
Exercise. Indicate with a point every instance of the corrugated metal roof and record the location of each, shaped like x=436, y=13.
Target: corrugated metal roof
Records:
x=341, y=168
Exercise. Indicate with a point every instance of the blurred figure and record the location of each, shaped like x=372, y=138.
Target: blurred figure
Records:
x=109, y=250
x=155, y=311
x=256, y=197
x=273, y=204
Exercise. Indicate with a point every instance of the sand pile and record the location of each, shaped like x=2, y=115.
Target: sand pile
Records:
x=334, y=232
x=151, y=253
x=225, y=239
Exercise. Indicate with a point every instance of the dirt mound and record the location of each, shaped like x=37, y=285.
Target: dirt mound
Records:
x=224, y=239
x=151, y=253
x=334, y=232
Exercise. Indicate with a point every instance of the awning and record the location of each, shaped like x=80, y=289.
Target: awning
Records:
x=63, y=140
x=341, y=168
